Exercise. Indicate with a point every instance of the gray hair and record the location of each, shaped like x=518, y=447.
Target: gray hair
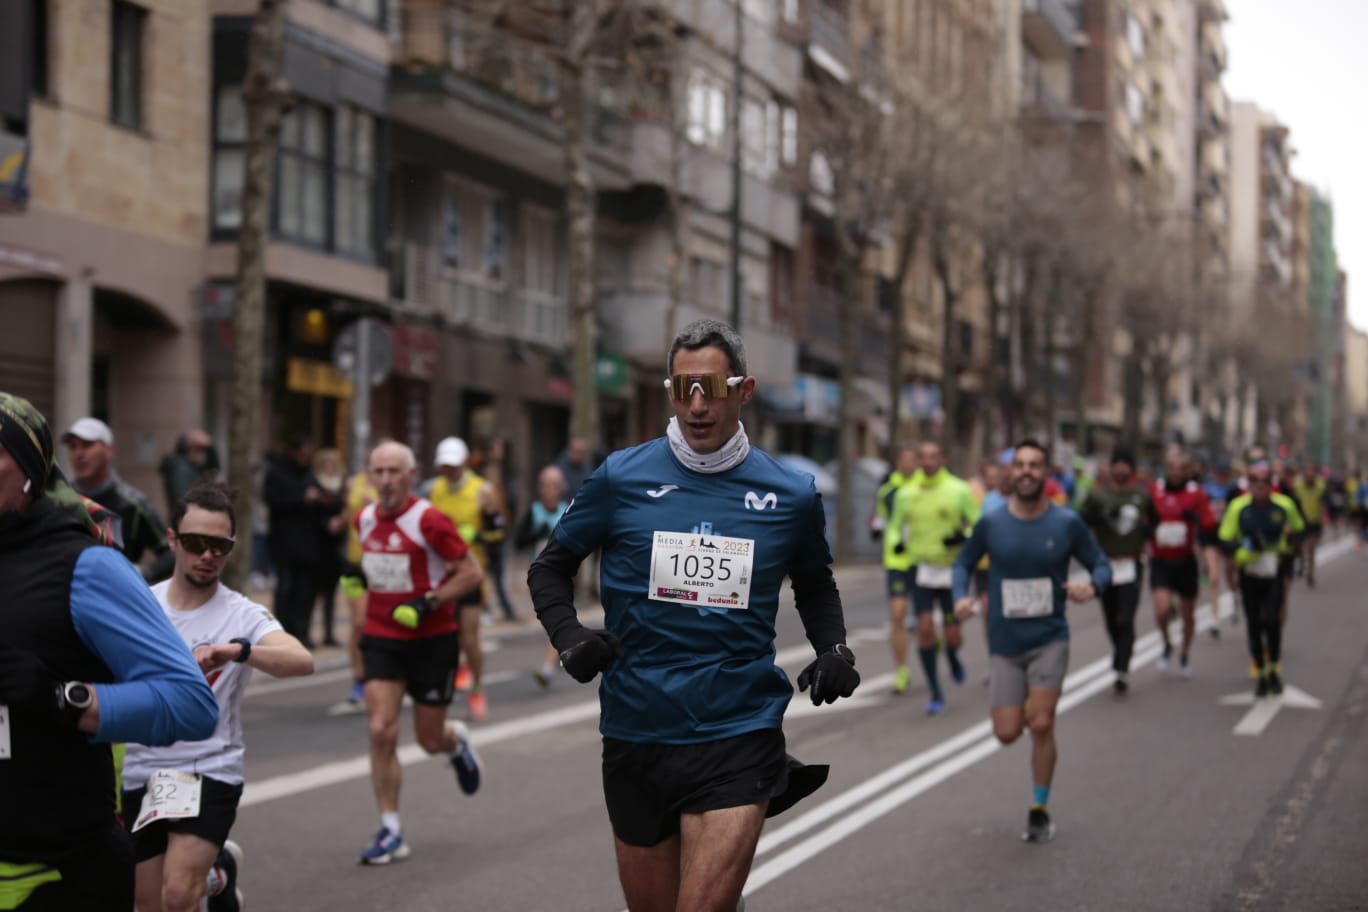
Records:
x=407, y=461
x=710, y=333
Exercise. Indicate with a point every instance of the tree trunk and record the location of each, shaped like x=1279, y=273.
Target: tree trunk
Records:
x=1133, y=390
x=949, y=344
x=579, y=205
x=1051, y=378
x=679, y=227
x=907, y=249
x=847, y=279
x=1083, y=339
x=263, y=97
x=992, y=370
x=1161, y=370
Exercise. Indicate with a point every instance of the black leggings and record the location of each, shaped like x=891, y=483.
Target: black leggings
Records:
x=1118, y=608
x=1262, y=601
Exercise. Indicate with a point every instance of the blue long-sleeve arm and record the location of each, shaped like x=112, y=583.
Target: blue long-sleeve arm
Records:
x=160, y=695
x=967, y=560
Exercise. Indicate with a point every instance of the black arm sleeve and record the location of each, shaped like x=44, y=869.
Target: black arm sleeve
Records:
x=525, y=536
x=819, y=605
x=551, y=580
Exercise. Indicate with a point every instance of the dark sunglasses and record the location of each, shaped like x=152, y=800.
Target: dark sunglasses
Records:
x=712, y=386
x=197, y=544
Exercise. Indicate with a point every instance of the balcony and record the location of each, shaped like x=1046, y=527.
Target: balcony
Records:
x=830, y=45
x=487, y=307
x=496, y=98
x=1048, y=28
x=632, y=320
x=1039, y=101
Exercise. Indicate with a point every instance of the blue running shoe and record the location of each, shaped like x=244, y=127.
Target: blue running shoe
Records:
x=465, y=761
x=935, y=707
x=358, y=693
x=387, y=847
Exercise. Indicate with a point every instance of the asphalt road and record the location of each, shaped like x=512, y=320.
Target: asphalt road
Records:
x=1159, y=803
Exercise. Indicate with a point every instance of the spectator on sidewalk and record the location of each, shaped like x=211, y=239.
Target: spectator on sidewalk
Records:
x=90, y=447
x=194, y=459
x=332, y=481
x=295, y=501
x=533, y=532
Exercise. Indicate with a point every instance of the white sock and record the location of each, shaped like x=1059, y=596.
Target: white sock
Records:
x=390, y=821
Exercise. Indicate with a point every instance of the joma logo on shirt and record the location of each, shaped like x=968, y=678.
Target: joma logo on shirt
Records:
x=756, y=502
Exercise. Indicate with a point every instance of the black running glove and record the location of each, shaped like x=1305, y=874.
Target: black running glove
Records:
x=25, y=682
x=584, y=652
x=951, y=541
x=900, y=548
x=830, y=676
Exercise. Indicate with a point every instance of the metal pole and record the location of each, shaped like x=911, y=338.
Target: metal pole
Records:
x=738, y=94
x=361, y=398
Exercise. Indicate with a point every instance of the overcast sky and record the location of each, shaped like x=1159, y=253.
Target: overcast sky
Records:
x=1306, y=61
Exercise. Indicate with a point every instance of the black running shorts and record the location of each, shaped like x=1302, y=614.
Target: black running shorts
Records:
x=648, y=786
x=1179, y=576
x=218, y=810
x=427, y=666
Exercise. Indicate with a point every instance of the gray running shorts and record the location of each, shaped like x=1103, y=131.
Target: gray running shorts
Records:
x=1012, y=676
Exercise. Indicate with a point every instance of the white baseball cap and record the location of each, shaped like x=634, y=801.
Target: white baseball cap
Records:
x=452, y=451
x=91, y=430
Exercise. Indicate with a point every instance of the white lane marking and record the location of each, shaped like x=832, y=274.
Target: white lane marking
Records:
x=849, y=824
x=963, y=750
x=357, y=767
x=288, y=784
x=274, y=686
x=1263, y=710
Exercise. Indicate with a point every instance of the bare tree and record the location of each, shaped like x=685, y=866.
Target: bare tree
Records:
x=264, y=97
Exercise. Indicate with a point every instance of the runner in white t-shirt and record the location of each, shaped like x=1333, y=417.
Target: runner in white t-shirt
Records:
x=180, y=801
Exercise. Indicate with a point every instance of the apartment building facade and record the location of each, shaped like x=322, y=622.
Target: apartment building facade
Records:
x=100, y=267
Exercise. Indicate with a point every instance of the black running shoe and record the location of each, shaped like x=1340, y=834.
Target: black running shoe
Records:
x=1038, y=826
x=228, y=899
x=1275, y=685
x=1261, y=689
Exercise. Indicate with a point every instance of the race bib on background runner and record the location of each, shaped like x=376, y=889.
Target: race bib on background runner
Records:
x=1171, y=534
x=701, y=571
x=387, y=572
x=171, y=795
x=930, y=576
x=1265, y=566
x=1028, y=598
x=1123, y=571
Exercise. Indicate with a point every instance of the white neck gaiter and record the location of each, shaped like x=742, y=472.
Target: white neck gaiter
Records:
x=730, y=455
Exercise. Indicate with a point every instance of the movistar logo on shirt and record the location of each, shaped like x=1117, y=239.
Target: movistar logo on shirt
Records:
x=756, y=502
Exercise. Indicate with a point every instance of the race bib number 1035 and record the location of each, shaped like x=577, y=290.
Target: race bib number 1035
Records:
x=701, y=571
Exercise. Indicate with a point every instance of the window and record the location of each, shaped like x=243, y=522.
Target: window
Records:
x=38, y=50
x=541, y=250
x=126, y=26
x=230, y=135
x=366, y=9
x=302, y=187
x=753, y=137
x=1135, y=103
x=707, y=110
x=475, y=231
x=759, y=10
x=355, y=180
x=1135, y=35
x=788, y=135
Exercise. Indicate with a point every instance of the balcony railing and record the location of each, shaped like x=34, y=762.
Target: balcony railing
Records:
x=831, y=30
x=1040, y=99
x=1048, y=27
x=490, y=307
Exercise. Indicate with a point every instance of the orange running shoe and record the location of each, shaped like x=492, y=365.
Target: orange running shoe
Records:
x=463, y=679
x=479, y=708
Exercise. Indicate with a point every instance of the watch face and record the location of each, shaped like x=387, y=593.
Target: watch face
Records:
x=78, y=695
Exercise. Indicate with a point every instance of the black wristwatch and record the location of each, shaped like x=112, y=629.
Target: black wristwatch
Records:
x=74, y=698
x=246, y=645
